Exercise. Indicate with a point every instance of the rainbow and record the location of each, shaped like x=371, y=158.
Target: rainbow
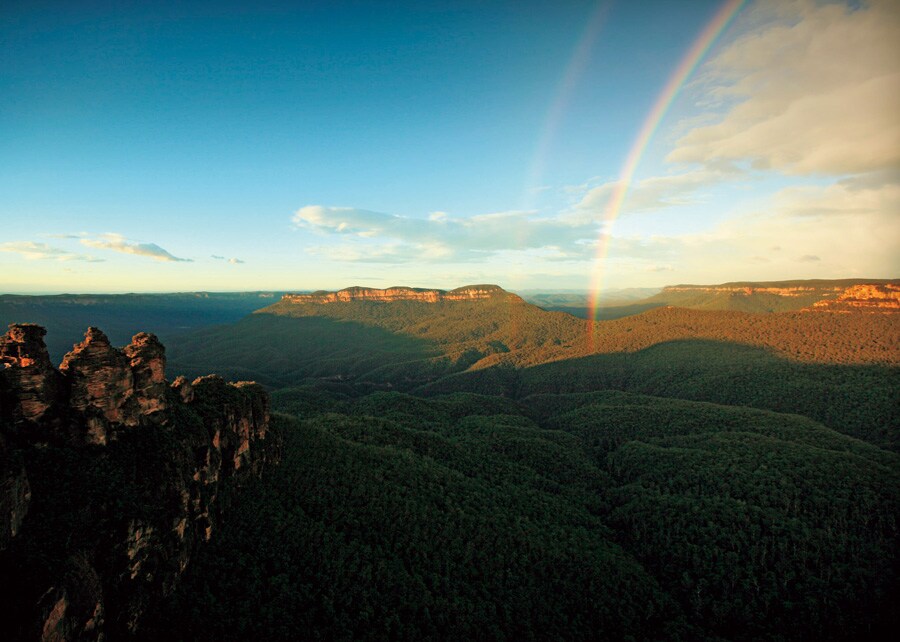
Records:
x=687, y=65
x=563, y=96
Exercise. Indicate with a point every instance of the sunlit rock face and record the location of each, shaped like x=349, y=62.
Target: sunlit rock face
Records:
x=170, y=448
x=147, y=359
x=740, y=290
x=881, y=296
x=33, y=385
x=97, y=391
x=100, y=386
x=400, y=293
x=863, y=298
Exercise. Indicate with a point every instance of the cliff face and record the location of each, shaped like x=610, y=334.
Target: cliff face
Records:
x=27, y=372
x=749, y=290
x=400, y=293
x=863, y=298
x=812, y=296
x=110, y=479
x=97, y=390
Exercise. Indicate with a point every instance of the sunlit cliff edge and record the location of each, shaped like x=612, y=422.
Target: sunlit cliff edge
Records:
x=863, y=298
x=403, y=293
x=845, y=295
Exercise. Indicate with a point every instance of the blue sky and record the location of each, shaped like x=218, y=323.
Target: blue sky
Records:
x=158, y=147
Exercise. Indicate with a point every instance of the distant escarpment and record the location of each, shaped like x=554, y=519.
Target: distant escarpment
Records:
x=871, y=297
x=738, y=289
x=845, y=295
x=402, y=293
x=110, y=477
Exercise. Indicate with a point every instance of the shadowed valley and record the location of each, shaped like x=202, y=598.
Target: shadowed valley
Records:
x=464, y=464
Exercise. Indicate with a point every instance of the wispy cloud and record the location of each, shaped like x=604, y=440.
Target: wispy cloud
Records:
x=118, y=243
x=232, y=261
x=851, y=219
x=809, y=90
x=654, y=193
x=440, y=237
x=41, y=251
x=861, y=240
x=66, y=236
x=812, y=89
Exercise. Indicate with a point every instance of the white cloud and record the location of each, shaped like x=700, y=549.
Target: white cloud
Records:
x=812, y=89
x=41, y=251
x=118, y=243
x=817, y=238
x=846, y=228
x=440, y=237
x=232, y=261
x=653, y=193
x=808, y=90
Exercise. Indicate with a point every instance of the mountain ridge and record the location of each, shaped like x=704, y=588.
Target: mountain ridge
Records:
x=401, y=293
x=815, y=295
x=809, y=295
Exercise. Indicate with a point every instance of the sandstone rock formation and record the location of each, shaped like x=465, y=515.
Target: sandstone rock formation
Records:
x=148, y=365
x=863, y=298
x=32, y=385
x=100, y=386
x=402, y=293
x=749, y=290
x=849, y=295
x=109, y=533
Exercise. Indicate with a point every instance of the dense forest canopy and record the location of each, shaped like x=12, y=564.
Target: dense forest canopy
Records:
x=490, y=469
x=680, y=474
x=600, y=515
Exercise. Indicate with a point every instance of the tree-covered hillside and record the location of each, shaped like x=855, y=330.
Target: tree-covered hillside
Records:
x=580, y=516
x=860, y=401
x=840, y=369
x=756, y=296
x=485, y=469
x=287, y=342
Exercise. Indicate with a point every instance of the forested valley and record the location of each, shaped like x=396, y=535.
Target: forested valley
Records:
x=490, y=473
x=490, y=470
x=602, y=515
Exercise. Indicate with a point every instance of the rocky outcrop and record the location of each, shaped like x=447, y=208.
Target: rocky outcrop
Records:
x=402, y=293
x=750, y=290
x=31, y=386
x=100, y=387
x=236, y=424
x=847, y=295
x=144, y=465
x=147, y=359
x=863, y=298
x=98, y=390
